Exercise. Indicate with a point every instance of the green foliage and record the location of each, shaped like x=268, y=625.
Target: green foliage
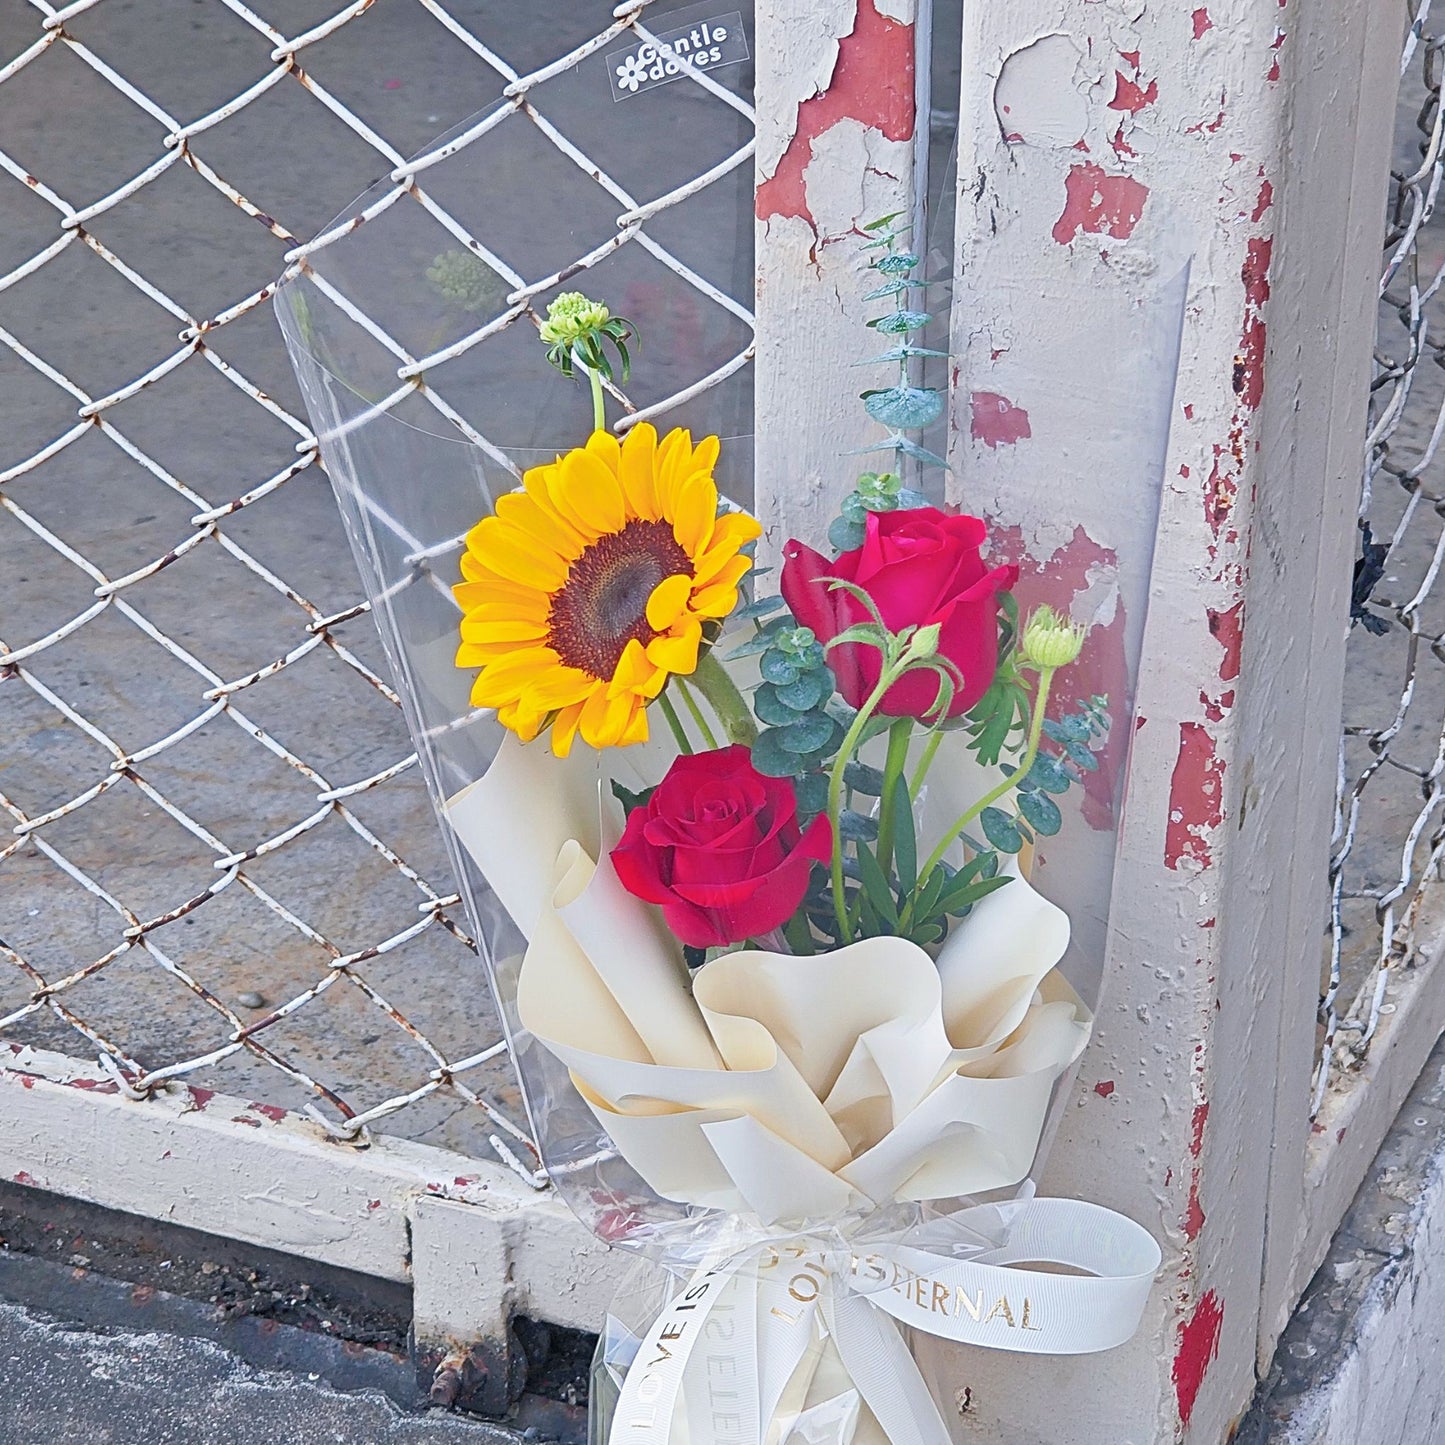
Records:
x=465, y=281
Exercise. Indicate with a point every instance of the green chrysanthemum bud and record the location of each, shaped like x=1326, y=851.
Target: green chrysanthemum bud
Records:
x=467, y=281
x=1050, y=640
x=572, y=316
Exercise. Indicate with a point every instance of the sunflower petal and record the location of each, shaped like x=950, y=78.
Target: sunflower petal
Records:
x=639, y=469
x=480, y=629
x=635, y=674
x=517, y=555
x=542, y=523
x=694, y=510
x=505, y=679
x=636, y=730
x=564, y=729
x=586, y=493
x=561, y=687
x=668, y=601
x=674, y=462
x=720, y=595
x=677, y=652
x=607, y=449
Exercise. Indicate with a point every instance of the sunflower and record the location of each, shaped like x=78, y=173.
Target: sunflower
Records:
x=592, y=584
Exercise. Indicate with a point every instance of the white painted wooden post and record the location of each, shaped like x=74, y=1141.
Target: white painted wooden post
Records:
x=836, y=107
x=1265, y=128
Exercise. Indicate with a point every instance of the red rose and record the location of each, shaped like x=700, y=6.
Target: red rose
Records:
x=718, y=847
x=919, y=566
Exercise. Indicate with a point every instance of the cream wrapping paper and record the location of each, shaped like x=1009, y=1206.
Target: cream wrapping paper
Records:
x=784, y=1087
x=794, y=1092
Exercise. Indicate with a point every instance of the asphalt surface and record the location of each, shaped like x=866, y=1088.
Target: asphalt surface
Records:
x=62, y=1382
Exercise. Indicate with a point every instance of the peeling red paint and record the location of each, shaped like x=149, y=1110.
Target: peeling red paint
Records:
x=1265, y=201
x=462, y=1180
x=1196, y=1128
x=1210, y=127
x=200, y=1097
x=1228, y=627
x=1122, y=148
x=1193, y=1220
x=1273, y=72
x=1202, y=22
x=373, y=1204
x=27, y=1081
x=1196, y=798
x=1130, y=57
x=1103, y=1090
x=872, y=83
x=247, y=1120
x=1099, y=203
x=95, y=1086
x=1130, y=96
x=1249, y=364
x=1198, y=1347
x=273, y=1112
x=996, y=421
x=22, y=1177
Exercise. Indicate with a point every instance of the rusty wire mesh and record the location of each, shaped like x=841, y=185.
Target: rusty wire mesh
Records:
x=1390, y=835
x=222, y=865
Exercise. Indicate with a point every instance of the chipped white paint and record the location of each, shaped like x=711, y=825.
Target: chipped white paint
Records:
x=835, y=84
x=1254, y=136
x=472, y=1237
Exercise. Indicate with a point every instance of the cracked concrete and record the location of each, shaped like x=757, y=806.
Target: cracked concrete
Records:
x=1360, y=1360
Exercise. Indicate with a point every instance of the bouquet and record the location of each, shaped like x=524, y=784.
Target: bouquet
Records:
x=769, y=849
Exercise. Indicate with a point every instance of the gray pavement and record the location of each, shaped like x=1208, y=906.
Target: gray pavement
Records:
x=61, y=1382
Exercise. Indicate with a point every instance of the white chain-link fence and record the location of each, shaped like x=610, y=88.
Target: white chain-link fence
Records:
x=1386, y=918
x=223, y=867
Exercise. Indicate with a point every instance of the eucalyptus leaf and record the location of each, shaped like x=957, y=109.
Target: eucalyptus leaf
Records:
x=863, y=779
x=845, y=536
x=771, y=709
x=908, y=408
x=808, y=734
x=754, y=645
x=1000, y=830
x=898, y=322
x=1041, y=813
x=891, y=288
x=899, y=264
x=854, y=826
x=1081, y=757
x=901, y=353
x=810, y=689
x=1047, y=774
x=759, y=607
x=771, y=757
x=777, y=669
x=812, y=793
x=909, y=500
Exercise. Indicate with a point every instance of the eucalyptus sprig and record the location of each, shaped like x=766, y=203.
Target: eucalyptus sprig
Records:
x=574, y=333
x=902, y=407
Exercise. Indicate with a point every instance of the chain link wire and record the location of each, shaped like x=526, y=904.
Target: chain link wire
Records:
x=221, y=863
x=1390, y=836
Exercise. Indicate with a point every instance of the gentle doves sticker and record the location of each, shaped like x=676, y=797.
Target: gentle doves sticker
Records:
x=706, y=44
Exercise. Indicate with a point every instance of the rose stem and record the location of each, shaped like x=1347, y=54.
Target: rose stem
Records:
x=900, y=732
x=930, y=751
x=728, y=704
x=674, y=722
x=835, y=796
x=1041, y=702
x=697, y=714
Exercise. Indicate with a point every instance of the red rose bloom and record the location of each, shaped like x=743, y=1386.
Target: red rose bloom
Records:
x=719, y=849
x=919, y=566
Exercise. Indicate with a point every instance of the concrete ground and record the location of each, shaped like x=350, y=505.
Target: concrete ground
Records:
x=61, y=1382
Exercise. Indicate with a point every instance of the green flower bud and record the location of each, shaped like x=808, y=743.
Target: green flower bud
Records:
x=465, y=280
x=1050, y=640
x=572, y=316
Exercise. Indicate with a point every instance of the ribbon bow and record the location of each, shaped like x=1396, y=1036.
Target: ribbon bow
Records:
x=796, y=1344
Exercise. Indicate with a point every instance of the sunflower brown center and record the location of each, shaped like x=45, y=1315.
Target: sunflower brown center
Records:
x=602, y=605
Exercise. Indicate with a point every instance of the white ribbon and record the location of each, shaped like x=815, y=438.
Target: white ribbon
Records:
x=740, y=1354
